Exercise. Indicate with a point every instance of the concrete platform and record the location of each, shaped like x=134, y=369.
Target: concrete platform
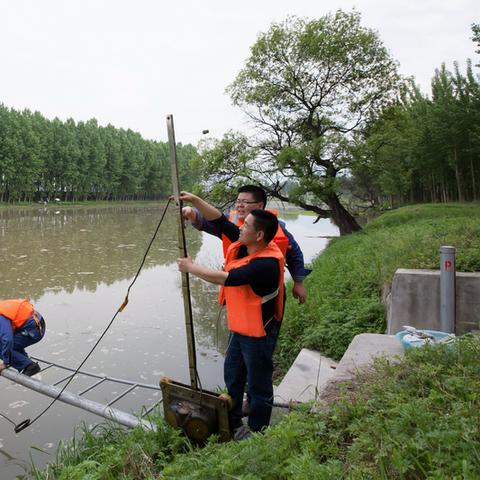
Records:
x=315, y=377
x=360, y=355
x=363, y=349
x=308, y=374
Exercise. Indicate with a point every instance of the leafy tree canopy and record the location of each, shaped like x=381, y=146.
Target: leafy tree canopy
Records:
x=307, y=87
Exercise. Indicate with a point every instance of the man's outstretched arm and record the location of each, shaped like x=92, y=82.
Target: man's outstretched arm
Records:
x=186, y=265
x=199, y=223
x=208, y=211
x=296, y=266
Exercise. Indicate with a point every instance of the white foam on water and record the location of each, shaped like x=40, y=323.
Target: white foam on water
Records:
x=18, y=404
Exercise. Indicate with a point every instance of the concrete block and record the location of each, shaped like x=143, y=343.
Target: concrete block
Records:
x=363, y=349
x=359, y=356
x=415, y=301
x=308, y=374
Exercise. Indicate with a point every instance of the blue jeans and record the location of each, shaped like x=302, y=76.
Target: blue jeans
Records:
x=249, y=360
x=26, y=335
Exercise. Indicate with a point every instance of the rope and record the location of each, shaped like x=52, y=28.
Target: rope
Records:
x=22, y=425
x=6, y=418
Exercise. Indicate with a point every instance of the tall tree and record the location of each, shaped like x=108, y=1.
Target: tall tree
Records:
x=307, y=87
x=476, y=37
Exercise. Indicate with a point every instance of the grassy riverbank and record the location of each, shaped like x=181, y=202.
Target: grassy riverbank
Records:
x=348, y=279
x=411, y=421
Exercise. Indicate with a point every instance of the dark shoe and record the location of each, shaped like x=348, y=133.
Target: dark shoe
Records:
x=241, y=433
x=31, y=369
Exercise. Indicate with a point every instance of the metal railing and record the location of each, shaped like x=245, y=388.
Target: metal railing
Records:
x=78, y=400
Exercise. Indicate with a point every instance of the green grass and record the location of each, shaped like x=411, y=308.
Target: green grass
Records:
x=109, y=452
x=414, y=420
x=345, y=288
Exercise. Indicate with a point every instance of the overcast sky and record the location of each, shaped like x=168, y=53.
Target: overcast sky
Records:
x=132, y=62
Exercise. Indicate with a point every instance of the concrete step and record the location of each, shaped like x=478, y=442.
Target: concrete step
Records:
x=359, y=356
x=313, y=376
x=306, y=377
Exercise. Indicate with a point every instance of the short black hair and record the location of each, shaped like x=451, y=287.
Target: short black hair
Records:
x=266, y=222
x=258, y=193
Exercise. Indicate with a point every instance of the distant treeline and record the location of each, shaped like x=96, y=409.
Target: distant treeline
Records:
x=46, y=159
x=424, y=149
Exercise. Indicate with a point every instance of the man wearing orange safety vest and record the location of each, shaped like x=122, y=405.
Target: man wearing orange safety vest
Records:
x=252, y=287
x=251, y=197
x=20, y=326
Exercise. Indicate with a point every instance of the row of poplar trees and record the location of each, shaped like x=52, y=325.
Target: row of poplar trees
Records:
x=425, y=148
x=44, y=159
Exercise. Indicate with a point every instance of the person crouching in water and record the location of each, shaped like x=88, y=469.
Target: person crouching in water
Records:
x=20, y=326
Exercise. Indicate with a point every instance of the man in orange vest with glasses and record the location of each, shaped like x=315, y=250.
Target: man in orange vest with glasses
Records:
x=20, y=326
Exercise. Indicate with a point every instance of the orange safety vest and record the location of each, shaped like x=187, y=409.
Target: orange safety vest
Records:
x=17, y=310
x=244, y=306
x=280, y=238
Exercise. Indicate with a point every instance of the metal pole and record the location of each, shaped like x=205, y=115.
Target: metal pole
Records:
x=447, y=289
x=104, y=411
x=182, y=246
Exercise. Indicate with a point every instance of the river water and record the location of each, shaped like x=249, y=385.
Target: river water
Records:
x=75, y=264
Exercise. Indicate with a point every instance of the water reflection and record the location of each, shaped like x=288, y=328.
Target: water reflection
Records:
x=67, y=248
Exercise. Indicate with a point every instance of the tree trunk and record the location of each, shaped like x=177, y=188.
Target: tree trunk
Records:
x=341, y=217
x=474, y=187
x=457, y=176
x=433, y=190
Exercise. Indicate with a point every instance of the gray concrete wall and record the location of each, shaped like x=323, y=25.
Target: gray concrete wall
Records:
x=415, y=300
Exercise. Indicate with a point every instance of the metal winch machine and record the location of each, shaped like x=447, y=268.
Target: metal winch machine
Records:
x=199, y=413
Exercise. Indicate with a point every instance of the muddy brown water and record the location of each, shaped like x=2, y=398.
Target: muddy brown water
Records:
x=75, y=264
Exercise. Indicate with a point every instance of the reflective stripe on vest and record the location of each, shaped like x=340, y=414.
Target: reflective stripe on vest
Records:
x=244, y=306
x=17, y=310
x=280, y=238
